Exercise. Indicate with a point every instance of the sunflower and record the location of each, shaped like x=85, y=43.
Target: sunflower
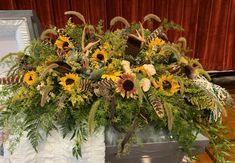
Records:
x=126, y=86
x=111, y=75
x=140, y=69
x=168, y=85
x=68, y=81
x=146, y=69
x=30, y=77
x=64, y=43
x=100, y=56
x=155, y=43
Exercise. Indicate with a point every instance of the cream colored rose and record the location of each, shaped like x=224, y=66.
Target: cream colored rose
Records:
x=150, y=69
x=145, y=84
x=126, y=66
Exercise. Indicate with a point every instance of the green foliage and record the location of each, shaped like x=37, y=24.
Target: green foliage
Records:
x=91, y=116
x=182, y=132
x=171, y=25
x=168, y=108
x=201, y=98
x=74, y=32
x=117, y=42
x=85, y=79
x=80, y=138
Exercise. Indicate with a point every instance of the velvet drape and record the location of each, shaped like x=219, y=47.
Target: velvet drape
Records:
x=209, y=25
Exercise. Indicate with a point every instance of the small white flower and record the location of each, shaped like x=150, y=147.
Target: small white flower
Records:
x=145, y=84
x=52, y=94
x=40, y=86
x=150, y=69
x=126, y=66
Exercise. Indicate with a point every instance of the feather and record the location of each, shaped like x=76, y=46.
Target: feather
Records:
x=84, y=85
x=11, y=80
x=108, y=84
x=103, y=87
x=156, y=33
x=62, y=68
x=157, y=106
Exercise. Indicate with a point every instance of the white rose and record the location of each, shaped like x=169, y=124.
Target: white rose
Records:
x=145, y=84
x=150, y=69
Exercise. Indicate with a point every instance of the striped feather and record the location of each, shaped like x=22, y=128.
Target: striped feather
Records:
x=11, y=80
x=157, y=32
x=103, y=87
x=158, y=107
x=84, y=85
x=107, y=84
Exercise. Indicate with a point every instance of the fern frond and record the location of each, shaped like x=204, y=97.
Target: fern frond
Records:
x=13, y=70
x=170, y=118
x=32, y=127
x=181, y=83
x=91, y=116
x=204, y=73
x=8, y=56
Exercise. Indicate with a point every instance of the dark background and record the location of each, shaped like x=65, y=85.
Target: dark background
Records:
x=209, y=24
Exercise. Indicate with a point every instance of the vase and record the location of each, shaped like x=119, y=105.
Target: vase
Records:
x=160, y=152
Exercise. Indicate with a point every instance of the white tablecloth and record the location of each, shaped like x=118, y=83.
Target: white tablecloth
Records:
x=58, y=150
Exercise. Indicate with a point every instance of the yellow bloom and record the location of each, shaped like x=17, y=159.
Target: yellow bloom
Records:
x=140, y=69
x=64, y=44
x=126, y=86
x=68, y=81
x=111, y=75
x=99, y=56
x=156, y=42
x=168, y=85
x=30, y=77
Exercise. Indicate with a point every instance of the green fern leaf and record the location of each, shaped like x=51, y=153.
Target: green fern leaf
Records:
x=168, y=108
x=91, y=116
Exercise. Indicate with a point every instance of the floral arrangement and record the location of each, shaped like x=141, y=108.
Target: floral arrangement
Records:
x=81, y=77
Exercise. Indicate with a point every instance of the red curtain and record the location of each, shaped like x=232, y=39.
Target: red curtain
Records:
x=209, y=25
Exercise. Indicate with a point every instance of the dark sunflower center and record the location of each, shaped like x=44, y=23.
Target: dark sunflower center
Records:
x=65, y=45
x=30, y=78
x=69, y=81
x=128, y=85
x=100, y=56
x=166, y=85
